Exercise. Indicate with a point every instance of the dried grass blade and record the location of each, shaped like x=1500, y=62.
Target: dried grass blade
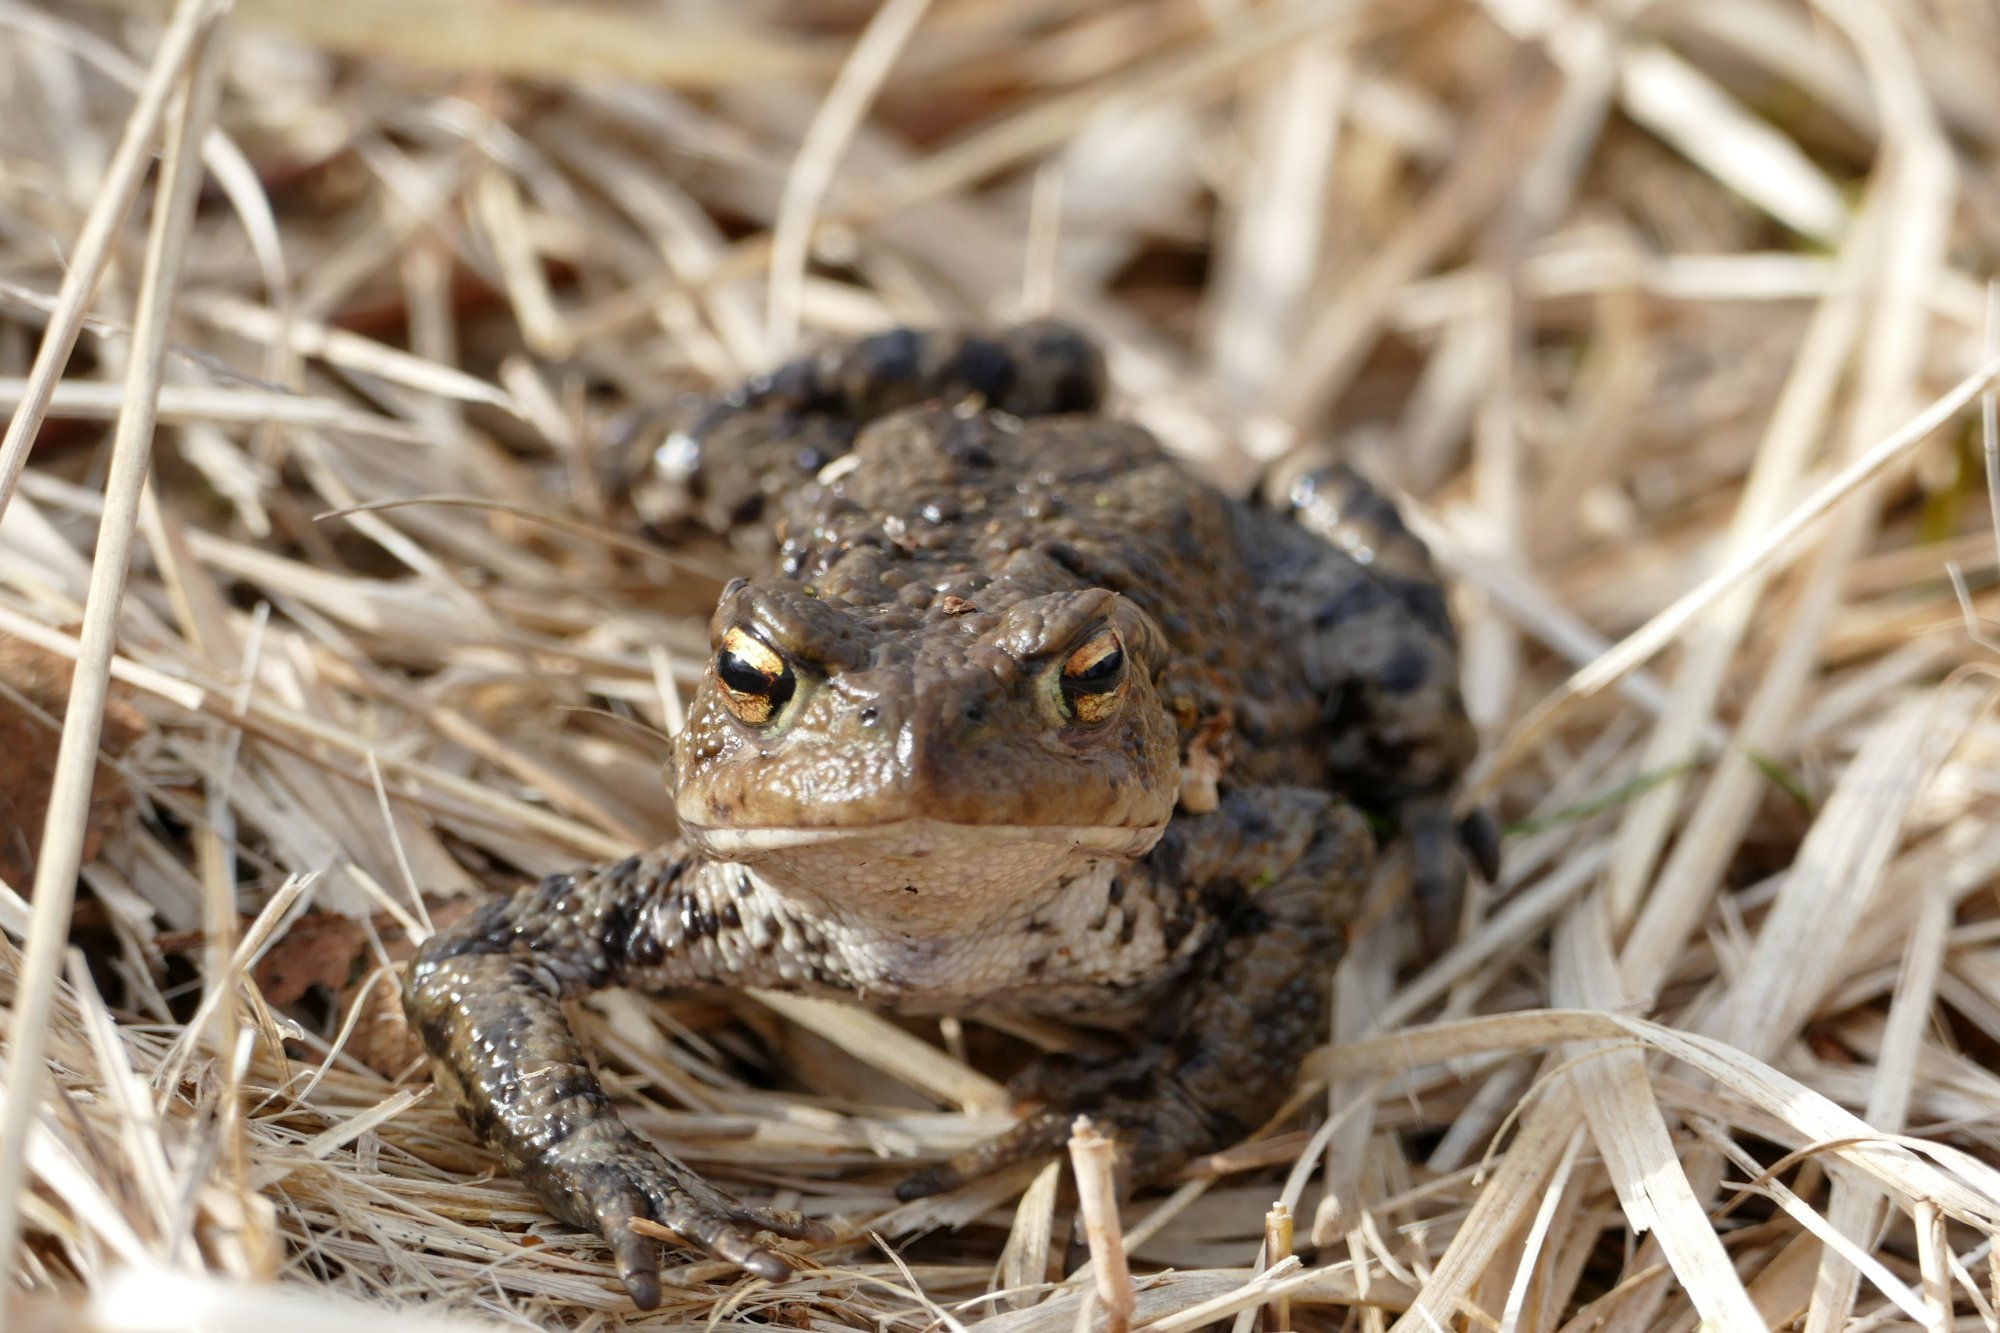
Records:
x=1795, y=423
x=1966, y=1187
x=1837, y=871
x=1509, y=1200
x=1835, y=1242
x=92, y=250
x=1091, y=1158
x=348, y=350
x=326, y=1142
x=141, y=1300
x=1684, y=107
x=1024, y=1260
x=876, y=1041
x=1623, y=1112
x=185, y=403
x=1855, y=1207
x=520, y=38
x=812, y=173
x=1245, y=37
x=1766, y=555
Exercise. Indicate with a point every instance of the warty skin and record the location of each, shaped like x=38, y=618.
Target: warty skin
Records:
x=1025, y=718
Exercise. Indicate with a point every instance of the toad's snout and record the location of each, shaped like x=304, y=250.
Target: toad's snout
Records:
x=927, y=740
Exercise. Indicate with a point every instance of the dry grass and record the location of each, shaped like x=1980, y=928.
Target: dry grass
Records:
x=1670, y=322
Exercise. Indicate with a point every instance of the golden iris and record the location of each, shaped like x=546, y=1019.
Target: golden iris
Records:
x=756, y=681
x=1093, y=678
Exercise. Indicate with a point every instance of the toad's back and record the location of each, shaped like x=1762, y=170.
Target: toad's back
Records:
x=1308, y=633
x=940, y=516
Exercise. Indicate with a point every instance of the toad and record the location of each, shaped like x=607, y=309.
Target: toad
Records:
x=1025, y=717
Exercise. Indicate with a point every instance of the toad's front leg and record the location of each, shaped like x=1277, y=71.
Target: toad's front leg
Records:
x=485, y=996
x=1282, y=872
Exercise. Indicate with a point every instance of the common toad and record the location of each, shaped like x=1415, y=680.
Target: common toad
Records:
x=1026, y=718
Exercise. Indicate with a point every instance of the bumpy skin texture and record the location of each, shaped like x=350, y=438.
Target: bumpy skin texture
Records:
x=1037, y=721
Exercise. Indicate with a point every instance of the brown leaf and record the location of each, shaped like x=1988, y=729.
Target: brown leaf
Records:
x=34, y=691
x=320, y=949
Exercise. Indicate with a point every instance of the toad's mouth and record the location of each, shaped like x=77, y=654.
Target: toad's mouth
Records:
x=922, y=874
x=917, y=839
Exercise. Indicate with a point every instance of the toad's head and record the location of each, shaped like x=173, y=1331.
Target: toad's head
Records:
x=945, y=751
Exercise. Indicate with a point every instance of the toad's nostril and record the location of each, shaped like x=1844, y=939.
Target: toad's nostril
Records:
x=975, y=713
x=870, y=716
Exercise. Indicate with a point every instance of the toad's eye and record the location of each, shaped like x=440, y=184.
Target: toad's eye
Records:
x=1093, y=678
x=756, y=682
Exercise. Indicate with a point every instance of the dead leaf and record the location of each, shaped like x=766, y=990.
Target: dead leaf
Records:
x=34, y=691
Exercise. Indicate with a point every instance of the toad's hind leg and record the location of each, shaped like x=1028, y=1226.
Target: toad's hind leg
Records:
x=721, y=462
x=1362, y=597
x=1278, y=875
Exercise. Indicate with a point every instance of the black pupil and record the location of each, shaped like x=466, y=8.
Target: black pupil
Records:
x=1100, y=677
x=743, y=678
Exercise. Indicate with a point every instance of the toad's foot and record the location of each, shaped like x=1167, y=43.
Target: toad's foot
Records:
x=1442, y=844
x=605, y=1178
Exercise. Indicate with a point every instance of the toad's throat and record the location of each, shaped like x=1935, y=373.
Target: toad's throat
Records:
x=922, y=865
